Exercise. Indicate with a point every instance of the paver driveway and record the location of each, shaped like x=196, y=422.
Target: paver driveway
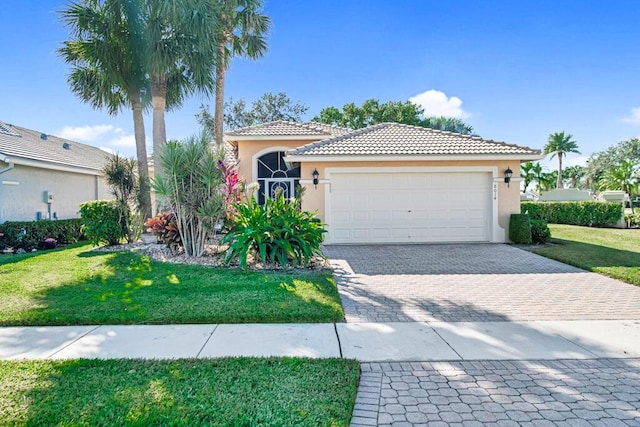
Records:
x=471, y=282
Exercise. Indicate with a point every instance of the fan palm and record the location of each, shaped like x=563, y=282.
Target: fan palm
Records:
x=241, y=31
x=559, y=144
x=107, y=70
x=180, y=57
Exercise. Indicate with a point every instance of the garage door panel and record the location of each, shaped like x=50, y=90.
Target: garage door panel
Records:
x=409, y=207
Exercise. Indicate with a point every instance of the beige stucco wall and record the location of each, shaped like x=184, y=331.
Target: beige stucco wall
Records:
x=21, y=202
x=314, y=200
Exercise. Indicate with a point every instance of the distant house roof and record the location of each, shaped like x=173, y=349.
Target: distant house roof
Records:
x=281, y=128
x=394, y=139
x=21, y=145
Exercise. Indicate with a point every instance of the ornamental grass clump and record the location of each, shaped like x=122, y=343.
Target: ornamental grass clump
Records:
x=278, y=232
x=191, y=186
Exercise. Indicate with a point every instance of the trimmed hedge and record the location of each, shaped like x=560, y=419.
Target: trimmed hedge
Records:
x=35, y=232
x=585, y=213
x=520, y=229
x=540, y=232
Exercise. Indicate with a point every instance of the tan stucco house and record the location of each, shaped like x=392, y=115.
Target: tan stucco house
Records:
x=388, y=183
x=43, y=176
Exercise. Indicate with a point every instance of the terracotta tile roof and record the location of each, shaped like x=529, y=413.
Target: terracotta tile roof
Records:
x=284, y=128
x=16, y=141
x=389, y=139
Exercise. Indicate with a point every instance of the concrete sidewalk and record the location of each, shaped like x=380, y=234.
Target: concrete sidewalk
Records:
x=366, y=342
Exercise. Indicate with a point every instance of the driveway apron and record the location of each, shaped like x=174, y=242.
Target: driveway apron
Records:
x=471, y=282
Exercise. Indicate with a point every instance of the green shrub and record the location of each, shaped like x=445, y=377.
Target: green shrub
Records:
x=585, y=213
x=277, y=232
x=520, y=229
x=102, y=222
x=540, y=232
x=64, y=231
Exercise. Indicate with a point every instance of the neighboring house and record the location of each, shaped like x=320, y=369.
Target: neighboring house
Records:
x=388, y=183
x=43, y=176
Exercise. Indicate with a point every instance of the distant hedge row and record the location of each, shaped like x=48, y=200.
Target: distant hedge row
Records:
x=586, y=213
x=35, y=232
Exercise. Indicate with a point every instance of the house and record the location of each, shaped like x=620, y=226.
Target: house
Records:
x=388, y=183
x=43, y=176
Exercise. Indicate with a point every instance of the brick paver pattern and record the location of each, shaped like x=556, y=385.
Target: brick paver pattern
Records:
x=471, y=282
x=603, y=392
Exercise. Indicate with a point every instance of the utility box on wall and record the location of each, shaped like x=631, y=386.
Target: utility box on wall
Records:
x=48, y=197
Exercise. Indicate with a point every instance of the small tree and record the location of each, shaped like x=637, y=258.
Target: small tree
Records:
x=192, y=186
x=527, y=174
x=121, y=177
x=624, y=176
x=574, y=174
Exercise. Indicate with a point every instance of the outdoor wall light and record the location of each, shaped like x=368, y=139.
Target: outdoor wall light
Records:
x=507, y=175
x=316, y=175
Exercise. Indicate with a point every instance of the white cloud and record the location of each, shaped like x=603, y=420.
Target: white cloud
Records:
x=436, y=103
x=86, y=133
x=127, y=141
x=108, y=150
x=634, y=118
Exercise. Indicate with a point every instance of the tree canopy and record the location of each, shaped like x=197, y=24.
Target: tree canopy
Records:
x=372, y=112
x=600, y=162
x=269, y=107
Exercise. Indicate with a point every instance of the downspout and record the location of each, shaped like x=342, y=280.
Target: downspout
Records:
x=8, y=168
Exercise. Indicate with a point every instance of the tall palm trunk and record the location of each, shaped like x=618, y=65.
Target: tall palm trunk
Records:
x=141, y=153
x=218, y=118
x=159, y=102
x=559, y=184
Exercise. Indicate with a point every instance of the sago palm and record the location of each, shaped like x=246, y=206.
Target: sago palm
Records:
x=559, y=144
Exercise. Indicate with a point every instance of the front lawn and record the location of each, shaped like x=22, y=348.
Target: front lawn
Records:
x=609, y=251
x=76, y=285
x=241, y=391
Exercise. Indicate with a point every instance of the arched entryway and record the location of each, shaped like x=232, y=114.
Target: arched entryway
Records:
x=273, y=174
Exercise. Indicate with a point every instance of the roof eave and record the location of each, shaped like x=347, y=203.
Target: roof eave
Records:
x=236, y=138
x=391, y=158
x=52, y=166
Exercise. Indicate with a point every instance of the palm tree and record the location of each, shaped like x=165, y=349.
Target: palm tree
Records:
x=181, y=56
x=559, y=144
x=107, y=70
x=574, y=174
x=527, y=174
x=539, y=176
x=241, y=31
x=624, y=176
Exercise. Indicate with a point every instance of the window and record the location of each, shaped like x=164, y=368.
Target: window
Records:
x=274, y=174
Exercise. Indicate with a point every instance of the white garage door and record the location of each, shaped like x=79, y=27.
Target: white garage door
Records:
x=410, y=207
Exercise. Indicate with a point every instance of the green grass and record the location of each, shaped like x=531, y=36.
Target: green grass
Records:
x=75, y=285
x=612, y=252
x=233, y=392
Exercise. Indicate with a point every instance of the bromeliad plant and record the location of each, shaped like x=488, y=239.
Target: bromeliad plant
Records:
x=278, y=232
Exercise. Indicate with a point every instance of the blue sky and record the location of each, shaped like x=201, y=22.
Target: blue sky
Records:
x=515, y=70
